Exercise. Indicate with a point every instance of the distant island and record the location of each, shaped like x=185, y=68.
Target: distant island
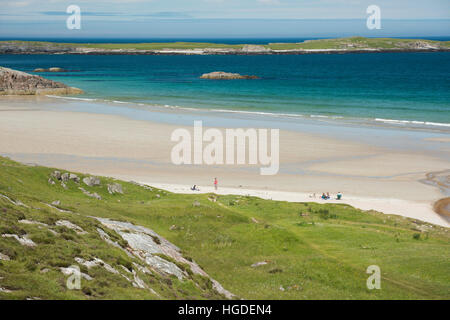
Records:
x=341, y=45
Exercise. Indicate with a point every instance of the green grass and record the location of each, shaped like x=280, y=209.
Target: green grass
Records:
x=355, y=43
x=314, y=251
x=352, y=43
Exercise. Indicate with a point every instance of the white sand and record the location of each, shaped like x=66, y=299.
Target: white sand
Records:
x=370, y=177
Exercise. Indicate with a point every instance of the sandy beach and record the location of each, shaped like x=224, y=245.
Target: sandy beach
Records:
x=370, y=177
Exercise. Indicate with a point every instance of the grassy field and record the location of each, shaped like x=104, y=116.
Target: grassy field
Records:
x=353, y=43
x=313, y=251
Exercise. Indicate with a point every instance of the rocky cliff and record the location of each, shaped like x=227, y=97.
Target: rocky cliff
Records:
x=13, y=82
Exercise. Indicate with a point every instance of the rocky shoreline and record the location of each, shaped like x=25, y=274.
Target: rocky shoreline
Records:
x=339, y=46
x=218, y=52
x=13, y=82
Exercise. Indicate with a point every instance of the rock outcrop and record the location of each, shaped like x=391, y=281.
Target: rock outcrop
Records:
x=252, y=48
x=91, y=181
x=115, y=188
x=13, y=82
x=52, y=69
x=220, y=75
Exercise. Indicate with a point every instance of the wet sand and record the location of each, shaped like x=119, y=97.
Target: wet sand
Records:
x=370, y=176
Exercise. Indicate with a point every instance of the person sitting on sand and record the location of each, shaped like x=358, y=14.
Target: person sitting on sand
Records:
x=328, y=195
x=339, y=196
x=324, y=196
x=194, y=188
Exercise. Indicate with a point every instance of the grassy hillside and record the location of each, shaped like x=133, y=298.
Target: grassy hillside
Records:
x=312, y=251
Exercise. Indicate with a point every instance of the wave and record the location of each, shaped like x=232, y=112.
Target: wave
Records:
x=72, y=98
x=410, y=123
x=427, y=123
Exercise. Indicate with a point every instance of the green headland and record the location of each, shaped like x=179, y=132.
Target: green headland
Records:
x=254, y=248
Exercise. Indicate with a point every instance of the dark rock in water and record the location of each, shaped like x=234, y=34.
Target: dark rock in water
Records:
x=52, y=69
x=220, y=75
x=13, y=82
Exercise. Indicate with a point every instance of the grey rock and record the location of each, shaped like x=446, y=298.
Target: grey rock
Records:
x=4, y=257
x=74, y=177
x=91, y=181
x=96, y=263
x=71, y=270
x=220, y=75
x=258, y=264
x=115, y=188
x=70, y=225
x=56, y=69
x=50, y=181
x=142, y=244
x=65, y=177
x=56, y=174
x=56, y=203
x=13, y=82
x=23, y=240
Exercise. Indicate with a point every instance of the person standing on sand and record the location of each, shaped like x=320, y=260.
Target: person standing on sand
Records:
x=215, y=183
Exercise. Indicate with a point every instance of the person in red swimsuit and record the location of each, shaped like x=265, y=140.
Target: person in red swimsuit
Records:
x=215, y=183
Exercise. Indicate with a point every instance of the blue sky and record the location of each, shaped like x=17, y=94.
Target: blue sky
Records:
x=223, y=18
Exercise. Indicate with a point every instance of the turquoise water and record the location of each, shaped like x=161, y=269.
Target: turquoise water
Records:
x=410, y=88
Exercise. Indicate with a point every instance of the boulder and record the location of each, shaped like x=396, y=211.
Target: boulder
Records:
x=91, y=181
x=56, y=69
x=52, y=69
x=74, y=177
x=65, y=177
x=56, y=174
x=115, y=188
x=220, y=75
x=13, y=82
x=4, y=257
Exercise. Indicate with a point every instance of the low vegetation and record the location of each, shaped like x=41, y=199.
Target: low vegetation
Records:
x=256, y=249
x=345, y=44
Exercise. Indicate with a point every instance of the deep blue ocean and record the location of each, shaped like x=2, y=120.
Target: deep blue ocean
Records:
x=413, y=87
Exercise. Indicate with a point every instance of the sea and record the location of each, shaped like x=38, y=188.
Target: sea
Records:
x=409, y=90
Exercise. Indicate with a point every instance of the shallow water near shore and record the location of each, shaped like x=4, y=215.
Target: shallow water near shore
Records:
x=405, y=90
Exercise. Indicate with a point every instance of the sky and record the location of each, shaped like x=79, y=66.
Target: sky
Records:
x=222, y=18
